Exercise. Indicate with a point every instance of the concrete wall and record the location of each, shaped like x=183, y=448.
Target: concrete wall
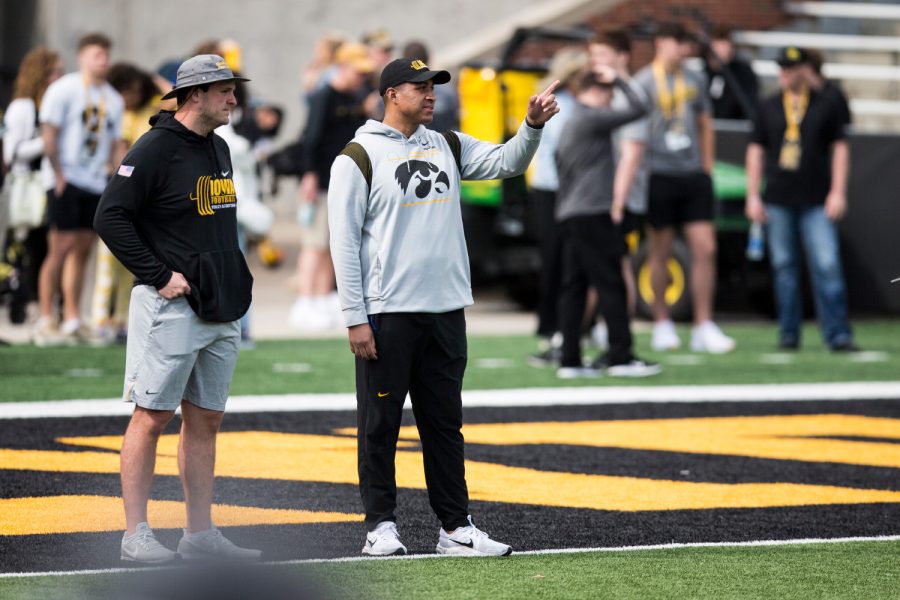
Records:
x=276, y=35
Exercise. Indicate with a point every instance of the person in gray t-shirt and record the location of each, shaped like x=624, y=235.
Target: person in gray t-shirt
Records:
x=680, y=154
x=593, y=244
x=613, y=49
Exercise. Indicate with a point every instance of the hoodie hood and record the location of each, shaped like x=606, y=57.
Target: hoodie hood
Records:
x=165, y=119
x=373, y=127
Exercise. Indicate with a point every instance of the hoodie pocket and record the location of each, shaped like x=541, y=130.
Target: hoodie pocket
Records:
x=221, y=285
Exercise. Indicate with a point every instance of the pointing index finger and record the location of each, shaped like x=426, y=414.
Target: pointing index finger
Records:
x=550, y=89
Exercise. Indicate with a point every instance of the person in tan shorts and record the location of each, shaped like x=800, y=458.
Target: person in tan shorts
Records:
x=335, y=113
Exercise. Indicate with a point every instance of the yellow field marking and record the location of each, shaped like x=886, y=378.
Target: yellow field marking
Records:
x=81, y=514
x=794, y=437
x=332, y=459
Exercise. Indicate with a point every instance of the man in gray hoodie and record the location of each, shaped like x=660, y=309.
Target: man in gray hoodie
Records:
x=403, y=278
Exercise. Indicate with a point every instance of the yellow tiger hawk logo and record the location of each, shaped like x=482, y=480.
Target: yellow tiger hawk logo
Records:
x=221, y=65
x=418, y=65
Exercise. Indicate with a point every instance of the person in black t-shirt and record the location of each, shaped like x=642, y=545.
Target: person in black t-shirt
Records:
x=336, y=111
x=730, y=103
x=799, y=141
x=812, y=73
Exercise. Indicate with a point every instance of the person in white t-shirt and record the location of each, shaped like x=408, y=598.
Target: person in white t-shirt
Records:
x=81, y=123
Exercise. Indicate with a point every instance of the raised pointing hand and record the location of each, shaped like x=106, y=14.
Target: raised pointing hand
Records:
x=542, y=107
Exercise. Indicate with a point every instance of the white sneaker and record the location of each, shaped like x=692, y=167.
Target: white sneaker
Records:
x=143, y=547
x=307, y=315
x=211, y=544
x=600, y=337
x=384, y=541
x=470, y=541
x=707, y=337
x=634, y=368
x=664, y=337
x=577, y=373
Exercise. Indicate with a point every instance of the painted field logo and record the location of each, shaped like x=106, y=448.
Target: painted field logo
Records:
x=214, y=194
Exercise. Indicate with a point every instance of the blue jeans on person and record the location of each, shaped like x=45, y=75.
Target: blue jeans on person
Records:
x=788, y=227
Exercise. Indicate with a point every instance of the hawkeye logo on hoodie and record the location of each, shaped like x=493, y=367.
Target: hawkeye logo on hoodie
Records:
x=423, y=176
x=213, y=194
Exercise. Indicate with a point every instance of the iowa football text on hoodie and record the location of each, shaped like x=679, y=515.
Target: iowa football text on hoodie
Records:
x=400, y=247
x=171, y=206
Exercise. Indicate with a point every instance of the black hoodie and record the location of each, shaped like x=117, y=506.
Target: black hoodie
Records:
x=171, y=206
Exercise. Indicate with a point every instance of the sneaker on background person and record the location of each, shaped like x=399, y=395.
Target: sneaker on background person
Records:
x=212, y=545
x=664, y=337
x=633, y=367
x=707, y=337
x=143, y=547
x=470, y=541
x=578, y=372
x=550, y=352
x=384, y=540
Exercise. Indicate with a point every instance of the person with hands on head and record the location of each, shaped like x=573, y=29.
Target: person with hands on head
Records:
x=799, y=142
x=593, y=243
x=169, y=215
x=403, y=279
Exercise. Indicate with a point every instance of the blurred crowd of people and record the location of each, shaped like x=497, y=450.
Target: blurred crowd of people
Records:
x=64, y=134
x=636, y=154
x=626, y=154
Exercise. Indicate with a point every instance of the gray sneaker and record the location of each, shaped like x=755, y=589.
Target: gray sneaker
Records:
x=211, y=544
x=143, y=547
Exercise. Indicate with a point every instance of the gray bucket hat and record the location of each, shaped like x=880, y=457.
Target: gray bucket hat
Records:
x=201, y=70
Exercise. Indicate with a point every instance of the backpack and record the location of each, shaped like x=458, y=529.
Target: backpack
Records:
x=359, y=155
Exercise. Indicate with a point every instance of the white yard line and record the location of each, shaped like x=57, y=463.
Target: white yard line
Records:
x=751, y=544
x=589, y=396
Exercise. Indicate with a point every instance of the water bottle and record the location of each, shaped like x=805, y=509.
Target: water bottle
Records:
x=756, y=242
x=306, y=214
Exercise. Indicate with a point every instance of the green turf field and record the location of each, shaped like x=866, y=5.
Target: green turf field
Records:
x=868, y=570
x=289, y=367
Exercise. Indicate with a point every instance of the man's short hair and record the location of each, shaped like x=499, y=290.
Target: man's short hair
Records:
x=722, y=32
x=94, y=39
x=671, y=29
x=182, y=95
x=616, y=39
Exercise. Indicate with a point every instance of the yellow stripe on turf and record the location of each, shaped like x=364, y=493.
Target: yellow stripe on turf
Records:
x=82, y=514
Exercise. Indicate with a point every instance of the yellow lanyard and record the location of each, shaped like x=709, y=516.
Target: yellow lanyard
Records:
x=671, y=102
x=794, y=110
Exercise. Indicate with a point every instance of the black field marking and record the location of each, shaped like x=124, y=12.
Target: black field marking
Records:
x=680, y=466
x=526, y=527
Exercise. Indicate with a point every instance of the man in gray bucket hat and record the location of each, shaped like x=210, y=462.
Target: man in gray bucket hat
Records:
x=169, y=216
x=200, y=70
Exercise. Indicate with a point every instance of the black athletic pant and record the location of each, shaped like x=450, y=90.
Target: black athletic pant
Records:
x=550, y=244
x=592, y=257
x=425, y=355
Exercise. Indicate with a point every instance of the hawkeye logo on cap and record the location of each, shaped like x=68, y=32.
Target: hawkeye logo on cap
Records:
x=221, y=65
x=418, y=65
x=793, y=54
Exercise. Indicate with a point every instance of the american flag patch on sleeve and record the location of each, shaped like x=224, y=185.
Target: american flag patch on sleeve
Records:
x=125, y=171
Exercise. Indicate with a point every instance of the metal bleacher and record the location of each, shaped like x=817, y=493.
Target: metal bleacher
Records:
x=866, y=63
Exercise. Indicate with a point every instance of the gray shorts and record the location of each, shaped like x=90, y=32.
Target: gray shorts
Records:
x=173, y=355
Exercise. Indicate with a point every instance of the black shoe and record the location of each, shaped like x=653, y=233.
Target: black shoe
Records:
x=789, y=345
x=548, y=358
x=845, y=348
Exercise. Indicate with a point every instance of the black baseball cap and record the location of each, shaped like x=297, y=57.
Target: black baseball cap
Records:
x=409, y=69
x=792, y=57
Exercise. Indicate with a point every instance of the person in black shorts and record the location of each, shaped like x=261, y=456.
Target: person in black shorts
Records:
x=680, y=151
